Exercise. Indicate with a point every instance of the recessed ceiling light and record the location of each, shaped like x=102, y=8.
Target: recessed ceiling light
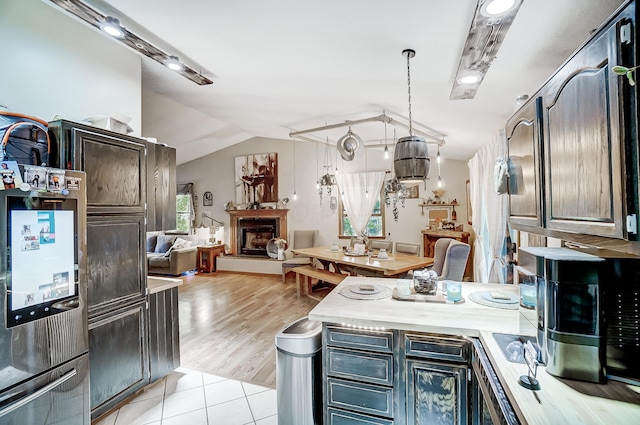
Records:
x=498, y=7
x=112, y=27
x=469, y=79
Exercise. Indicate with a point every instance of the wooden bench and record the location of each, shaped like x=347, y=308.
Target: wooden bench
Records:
x=310, y=272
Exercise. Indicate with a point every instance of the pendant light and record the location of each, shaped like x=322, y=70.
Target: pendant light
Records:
x=366, y=175
x=295, y=195
x=317, y=160
x=386, y=148
x=438, y=159
x=411, y=154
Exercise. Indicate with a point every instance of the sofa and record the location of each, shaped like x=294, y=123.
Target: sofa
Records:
x=171, y=254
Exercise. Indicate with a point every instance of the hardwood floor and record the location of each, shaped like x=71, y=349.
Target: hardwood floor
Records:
x=228, y=323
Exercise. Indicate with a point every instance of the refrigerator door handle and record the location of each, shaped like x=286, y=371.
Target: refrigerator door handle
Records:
x=41, y=391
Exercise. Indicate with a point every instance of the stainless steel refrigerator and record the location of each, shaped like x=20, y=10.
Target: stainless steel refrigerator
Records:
x=44, y=344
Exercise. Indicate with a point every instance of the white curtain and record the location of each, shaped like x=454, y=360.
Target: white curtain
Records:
x=357, y=206
x=490, y=213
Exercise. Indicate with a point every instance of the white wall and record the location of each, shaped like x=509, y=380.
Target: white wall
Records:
x=53, y=65
x=215, y=173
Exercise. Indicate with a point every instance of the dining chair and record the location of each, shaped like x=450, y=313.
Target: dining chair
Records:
x=455, y=261
x=439, y=254
x=407, y=248
x=450, y=259
x=354, y=240
x=298, y=239
x=377, y=244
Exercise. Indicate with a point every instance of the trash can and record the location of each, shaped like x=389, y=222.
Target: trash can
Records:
x=299, y=373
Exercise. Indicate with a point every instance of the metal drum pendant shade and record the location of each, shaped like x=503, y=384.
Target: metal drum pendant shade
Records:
x=411, y=159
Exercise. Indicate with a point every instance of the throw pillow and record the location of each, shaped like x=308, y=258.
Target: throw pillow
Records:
x=164, y=243
x=151, y=242
x=178, y=244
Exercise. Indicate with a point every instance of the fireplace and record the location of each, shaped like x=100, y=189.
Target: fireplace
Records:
x=254, y=233
x=251, y=230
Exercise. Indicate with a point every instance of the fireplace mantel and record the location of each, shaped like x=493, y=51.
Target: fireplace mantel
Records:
x=235, y=215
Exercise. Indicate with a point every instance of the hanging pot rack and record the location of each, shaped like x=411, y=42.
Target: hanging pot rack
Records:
x=432, y=136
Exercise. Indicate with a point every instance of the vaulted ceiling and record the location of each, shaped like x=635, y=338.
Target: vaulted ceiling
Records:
x=283, y=65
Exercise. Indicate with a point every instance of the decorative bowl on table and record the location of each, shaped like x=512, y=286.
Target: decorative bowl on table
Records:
x=425, y=282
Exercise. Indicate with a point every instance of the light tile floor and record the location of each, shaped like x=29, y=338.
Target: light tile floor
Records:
x=190, y=397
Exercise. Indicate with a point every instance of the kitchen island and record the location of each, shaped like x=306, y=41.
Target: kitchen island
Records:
x=393, y=346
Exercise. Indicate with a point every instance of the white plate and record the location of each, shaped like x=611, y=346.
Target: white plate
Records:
x=356, y=290
x=512, y=300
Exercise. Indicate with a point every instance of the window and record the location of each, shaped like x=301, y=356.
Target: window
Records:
x=183, y=213
x=375, y=226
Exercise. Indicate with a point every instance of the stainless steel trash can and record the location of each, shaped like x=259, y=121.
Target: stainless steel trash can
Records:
x=299, y=373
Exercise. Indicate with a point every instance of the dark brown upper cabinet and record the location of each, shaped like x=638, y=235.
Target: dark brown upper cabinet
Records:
x=524, y=137
x=583, y=143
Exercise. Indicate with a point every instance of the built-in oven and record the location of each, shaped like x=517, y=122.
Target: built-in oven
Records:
x=490, y=403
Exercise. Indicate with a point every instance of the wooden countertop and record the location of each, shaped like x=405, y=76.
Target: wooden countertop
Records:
x=468, y=318
x=563, y=401
x=560, y=401
x=157, y=284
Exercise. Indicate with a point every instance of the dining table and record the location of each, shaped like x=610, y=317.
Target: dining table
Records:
x=342, y=261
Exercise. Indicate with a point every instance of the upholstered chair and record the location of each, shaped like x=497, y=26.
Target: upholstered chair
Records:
x=450, y=259
x=455, y=261
x=298, y=239
x=439, y=254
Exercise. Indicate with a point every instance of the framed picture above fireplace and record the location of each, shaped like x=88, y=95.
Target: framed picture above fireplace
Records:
x=256, y=178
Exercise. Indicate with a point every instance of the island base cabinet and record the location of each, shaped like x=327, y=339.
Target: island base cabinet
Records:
x=341, y=417
x=394, y=377
x=436, y=393
x=164, y=333
x=365, y=398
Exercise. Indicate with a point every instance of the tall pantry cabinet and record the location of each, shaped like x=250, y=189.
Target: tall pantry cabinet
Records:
x=117, y=192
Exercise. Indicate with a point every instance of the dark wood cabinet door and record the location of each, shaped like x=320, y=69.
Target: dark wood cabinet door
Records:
x=116, y=171
x=436, y=393
x=524, y=137
x=161, y=187
x=119, y=357
x=116, y=258
x=164, y=333
x=582, y=144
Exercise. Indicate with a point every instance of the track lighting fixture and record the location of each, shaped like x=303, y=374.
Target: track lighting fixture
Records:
x=111, y=26
x=491, y=21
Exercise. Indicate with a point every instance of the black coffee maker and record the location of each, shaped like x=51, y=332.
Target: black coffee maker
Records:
x=571, y=329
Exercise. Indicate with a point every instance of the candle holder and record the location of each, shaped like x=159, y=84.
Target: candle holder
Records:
x=529, y=380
